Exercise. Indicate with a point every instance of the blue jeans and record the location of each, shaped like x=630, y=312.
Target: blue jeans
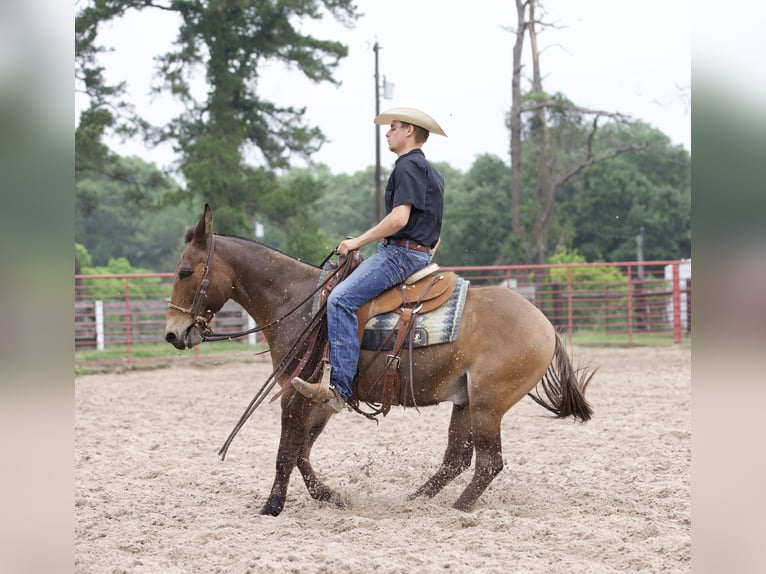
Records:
x=390, y=266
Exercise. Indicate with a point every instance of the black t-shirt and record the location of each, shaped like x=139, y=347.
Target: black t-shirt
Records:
x=414, y=181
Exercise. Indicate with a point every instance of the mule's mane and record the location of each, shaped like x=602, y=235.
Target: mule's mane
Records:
x=189, y=235
x=269, y=247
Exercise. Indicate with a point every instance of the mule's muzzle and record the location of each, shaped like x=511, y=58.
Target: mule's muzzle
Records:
x=186, y=338
x=176, y=341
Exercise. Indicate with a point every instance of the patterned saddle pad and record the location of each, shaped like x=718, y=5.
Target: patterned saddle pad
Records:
x=438, y=326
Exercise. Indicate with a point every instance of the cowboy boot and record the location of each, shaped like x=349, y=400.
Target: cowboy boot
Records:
x=320, y=393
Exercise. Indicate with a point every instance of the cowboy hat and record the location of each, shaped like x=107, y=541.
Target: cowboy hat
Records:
x=411, y=116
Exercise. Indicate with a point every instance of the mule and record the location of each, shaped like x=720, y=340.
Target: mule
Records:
x=505, y=347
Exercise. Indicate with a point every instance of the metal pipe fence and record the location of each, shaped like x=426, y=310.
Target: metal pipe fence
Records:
x=122, y=317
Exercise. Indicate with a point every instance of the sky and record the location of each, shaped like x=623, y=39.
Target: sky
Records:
x=454, y=59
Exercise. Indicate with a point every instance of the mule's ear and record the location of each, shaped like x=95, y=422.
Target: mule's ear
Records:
x=208, y=217
x=204, y=226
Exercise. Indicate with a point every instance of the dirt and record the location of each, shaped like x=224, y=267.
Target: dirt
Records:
x=610, y=495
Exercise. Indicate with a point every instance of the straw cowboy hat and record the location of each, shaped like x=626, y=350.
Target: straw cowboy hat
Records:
x=411, y=116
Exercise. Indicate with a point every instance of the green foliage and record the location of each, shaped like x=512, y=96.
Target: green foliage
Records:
x=589, y=285
x=306, y=212
x=650, y=190
x=114, y=289
x=115, y=266
x=235, y=151
x=118, y=266
x=227, y=43
x=602, y=209
x=476, y=214
x=108, y=111
x=347, y=207
x=583, y=277
x=231, y=41
x=289, y=212
x=131, y=217
x=82, y=256
x=105, y=289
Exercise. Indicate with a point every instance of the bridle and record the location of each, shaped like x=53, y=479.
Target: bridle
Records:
x=201, y=321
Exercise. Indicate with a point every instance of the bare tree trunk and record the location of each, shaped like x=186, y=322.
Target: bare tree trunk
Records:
x=549, y=175
x=517, y=182
x=545, y=190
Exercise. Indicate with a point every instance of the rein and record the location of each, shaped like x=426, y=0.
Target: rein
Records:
x=208, y=335
x=292, y=364
x=202, y=320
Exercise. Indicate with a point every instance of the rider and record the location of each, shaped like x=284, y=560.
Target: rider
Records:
x=410, y=234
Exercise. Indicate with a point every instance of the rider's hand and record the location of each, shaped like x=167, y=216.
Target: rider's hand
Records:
x=348, y=244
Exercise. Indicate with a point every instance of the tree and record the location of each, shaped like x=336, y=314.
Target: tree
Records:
x=348, y=204
x=229, y=41
x=476, y=219
x=551, y=176
x=290, y=208
x=131, y=217
x=514, y=123
x=107, y=112
x=557, y=158
x=651, y=189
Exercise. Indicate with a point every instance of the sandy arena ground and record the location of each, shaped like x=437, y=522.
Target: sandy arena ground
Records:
x=610, y=495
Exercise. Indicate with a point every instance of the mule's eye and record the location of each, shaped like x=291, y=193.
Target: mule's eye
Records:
x=185, y=273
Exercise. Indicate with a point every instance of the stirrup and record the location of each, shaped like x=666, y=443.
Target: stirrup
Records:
x=324, y=384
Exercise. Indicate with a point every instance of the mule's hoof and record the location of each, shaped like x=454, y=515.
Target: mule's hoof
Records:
x=270, y=509
x=427, y=491
x=338, y=501
x=463, y=507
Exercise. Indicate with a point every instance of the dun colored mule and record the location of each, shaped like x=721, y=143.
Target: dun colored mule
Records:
x=504, y=349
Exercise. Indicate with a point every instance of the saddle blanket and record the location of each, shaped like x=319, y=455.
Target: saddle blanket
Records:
x=438, y=326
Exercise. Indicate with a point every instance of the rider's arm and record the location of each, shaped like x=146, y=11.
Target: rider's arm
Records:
x=390, y=224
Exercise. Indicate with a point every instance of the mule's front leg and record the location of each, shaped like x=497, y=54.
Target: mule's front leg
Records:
x=285, y=464
x=291, y=441
x=320, y=415
x=458, y=456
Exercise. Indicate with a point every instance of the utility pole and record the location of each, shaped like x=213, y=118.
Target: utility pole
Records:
x=378, y=193
x=388, y=93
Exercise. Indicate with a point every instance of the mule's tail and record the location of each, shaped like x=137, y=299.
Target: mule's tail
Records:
x=564, y=387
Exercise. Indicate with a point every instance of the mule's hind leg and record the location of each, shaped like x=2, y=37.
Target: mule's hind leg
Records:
x=317, y=489
x=458, y=456
x=485, y=425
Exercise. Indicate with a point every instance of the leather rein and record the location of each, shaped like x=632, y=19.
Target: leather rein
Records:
x=202, y=321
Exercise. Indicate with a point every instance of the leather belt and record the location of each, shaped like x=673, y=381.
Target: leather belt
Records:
x=407, y=244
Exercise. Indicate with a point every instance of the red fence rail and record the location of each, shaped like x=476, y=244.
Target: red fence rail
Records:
x=627, y=298
x=116, y=314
